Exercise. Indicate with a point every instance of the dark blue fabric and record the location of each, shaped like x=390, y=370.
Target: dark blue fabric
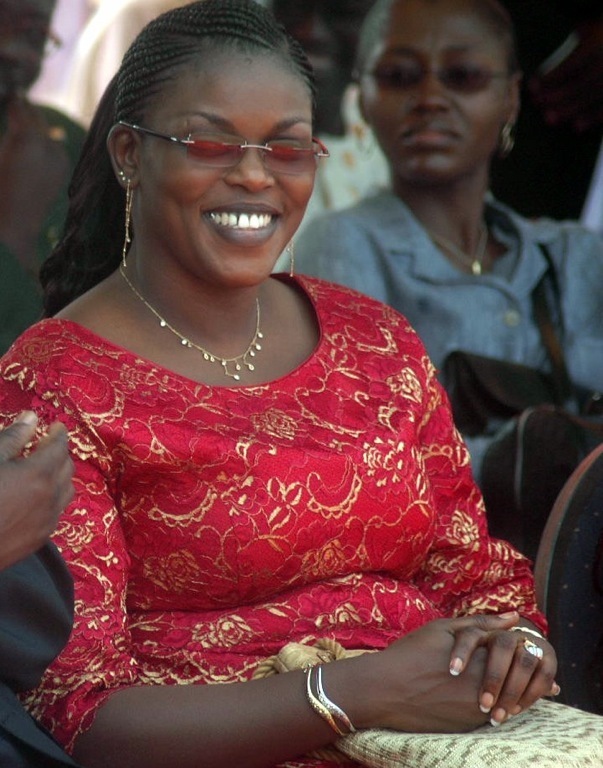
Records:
x=36, y=613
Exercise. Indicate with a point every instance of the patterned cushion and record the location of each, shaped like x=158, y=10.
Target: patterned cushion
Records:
x=548, y=735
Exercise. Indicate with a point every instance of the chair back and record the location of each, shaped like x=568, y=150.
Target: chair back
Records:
x=569, y=583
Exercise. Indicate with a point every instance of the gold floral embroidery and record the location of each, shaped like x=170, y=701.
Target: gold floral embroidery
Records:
x=210, y=526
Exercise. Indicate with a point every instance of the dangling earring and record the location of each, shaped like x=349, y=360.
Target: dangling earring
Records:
x=507, y=139
x=127, y=237
x=290, y=249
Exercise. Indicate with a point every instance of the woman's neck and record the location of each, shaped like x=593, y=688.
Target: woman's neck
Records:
x=456, y=215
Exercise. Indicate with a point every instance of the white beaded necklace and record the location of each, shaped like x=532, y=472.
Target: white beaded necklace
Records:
x=232, y=366
x=475, y=262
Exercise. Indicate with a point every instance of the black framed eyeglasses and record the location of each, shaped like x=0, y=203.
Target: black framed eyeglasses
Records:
x=461, y=78
x=223, y=151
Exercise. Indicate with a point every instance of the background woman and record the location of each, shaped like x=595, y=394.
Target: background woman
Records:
x=39, y=147
x=439, y=85
x=259, y=459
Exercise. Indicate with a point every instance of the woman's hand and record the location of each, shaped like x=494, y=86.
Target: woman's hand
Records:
x=439, y=677
x=520, y=667
x=33, y=490
x=409, y=687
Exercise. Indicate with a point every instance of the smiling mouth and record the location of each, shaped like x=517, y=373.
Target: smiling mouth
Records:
x=241, y=220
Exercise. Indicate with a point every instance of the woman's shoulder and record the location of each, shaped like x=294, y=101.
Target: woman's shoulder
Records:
x=342, y=309
x=355, y=327
x=559, y=234
x=63, y=128
x=372, y=212
x=52, y=342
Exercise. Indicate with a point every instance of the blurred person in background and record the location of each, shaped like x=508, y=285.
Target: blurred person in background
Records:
x=101, y=47
x=328, y=32
x=67, y=22
x=39, y=147
x=551, y=171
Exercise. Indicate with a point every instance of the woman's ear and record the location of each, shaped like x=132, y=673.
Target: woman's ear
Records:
x=123, y=146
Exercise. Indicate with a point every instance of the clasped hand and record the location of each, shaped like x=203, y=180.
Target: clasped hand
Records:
x=454, y=675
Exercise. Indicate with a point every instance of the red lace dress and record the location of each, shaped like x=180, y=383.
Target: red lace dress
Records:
x=211, y=525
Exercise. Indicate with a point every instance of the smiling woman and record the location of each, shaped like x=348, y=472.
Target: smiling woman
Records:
x=258, y=458
x=39, y=147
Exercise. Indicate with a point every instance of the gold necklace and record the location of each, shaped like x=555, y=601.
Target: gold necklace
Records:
x=227, y=363
x=475, y=262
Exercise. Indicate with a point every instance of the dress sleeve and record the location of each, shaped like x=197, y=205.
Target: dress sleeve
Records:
x=466, y=571
x=98, y=658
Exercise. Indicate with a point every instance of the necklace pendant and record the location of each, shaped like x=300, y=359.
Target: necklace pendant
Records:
x=476, y=268
x=238, y=363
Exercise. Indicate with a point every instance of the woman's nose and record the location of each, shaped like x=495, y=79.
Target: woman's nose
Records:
x=251, y=170
x=430, y=88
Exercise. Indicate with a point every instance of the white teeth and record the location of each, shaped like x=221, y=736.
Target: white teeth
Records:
x=242, y=220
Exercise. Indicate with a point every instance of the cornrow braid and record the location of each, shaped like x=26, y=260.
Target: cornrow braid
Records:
x=90, y=246
x=174, y=37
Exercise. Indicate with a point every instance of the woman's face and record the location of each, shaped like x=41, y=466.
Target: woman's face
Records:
x=223, y=225
x=23, y=33
x=427, y=93
x=328, y=33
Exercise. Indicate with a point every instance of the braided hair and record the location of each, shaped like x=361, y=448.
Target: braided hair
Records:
x=89, y=249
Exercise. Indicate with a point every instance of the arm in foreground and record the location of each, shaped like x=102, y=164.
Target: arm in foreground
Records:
x=407, y=687
x=33, y=489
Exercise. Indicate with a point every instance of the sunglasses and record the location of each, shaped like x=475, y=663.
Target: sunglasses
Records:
x=223, y=151
x=461, y=78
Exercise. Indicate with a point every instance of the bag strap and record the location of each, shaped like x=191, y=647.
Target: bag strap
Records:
x=548, y=333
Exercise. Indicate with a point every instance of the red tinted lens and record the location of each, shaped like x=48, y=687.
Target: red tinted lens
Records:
x=289, y=159
x=217, y=153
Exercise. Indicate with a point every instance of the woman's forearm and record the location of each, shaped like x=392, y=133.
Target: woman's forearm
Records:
x=253, y=724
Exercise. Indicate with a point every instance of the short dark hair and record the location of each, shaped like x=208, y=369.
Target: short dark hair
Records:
x=90, y=246
x=491, y=12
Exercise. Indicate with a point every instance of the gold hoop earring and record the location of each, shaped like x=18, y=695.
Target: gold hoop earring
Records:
x=127, y=237
x=291, y=251
x=507, y=139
